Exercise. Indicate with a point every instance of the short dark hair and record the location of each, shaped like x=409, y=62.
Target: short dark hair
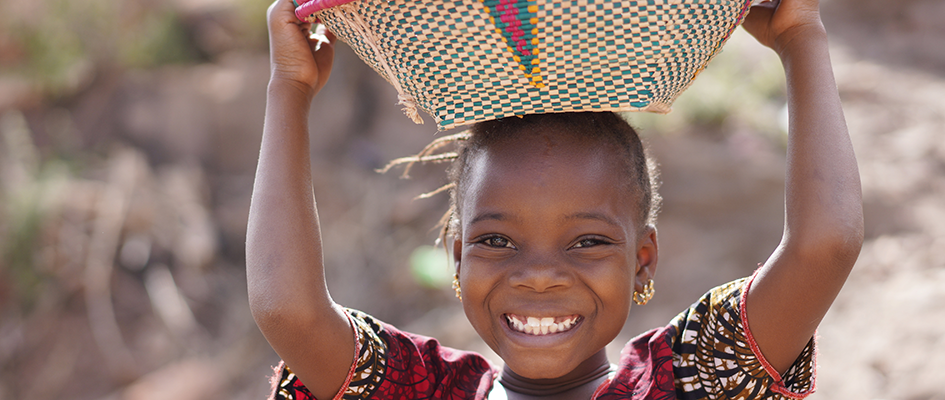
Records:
x=606, y=127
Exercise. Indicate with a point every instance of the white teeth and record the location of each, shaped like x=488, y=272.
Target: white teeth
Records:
x=546, y=324
x=540, y=326
x=516, y=324
x=534, y=326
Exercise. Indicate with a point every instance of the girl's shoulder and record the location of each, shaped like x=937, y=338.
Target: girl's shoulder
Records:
x=707, y=351
x=393, y=364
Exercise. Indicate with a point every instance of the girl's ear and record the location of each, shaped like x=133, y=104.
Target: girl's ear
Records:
x=457, y=251
x=647, y=255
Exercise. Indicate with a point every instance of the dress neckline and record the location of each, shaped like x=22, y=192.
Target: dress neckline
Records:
x=500, y=391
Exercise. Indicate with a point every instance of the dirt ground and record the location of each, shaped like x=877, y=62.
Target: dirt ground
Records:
x=142, y=291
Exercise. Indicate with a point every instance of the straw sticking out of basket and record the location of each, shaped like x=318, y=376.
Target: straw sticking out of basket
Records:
x=348, y=14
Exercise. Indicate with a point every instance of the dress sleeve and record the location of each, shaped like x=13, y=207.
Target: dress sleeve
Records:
x=716, y=357
x=395, y=364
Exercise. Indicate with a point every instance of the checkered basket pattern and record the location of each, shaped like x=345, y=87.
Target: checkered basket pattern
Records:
x=465, y=61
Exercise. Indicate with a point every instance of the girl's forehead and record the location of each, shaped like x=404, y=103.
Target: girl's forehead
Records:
x=544, y=157
x=543, y=167
x=546, y=143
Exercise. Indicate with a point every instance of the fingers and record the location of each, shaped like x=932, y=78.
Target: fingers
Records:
x=759, y=17
x=324, y=59
x=282, y=10
x=765, y=3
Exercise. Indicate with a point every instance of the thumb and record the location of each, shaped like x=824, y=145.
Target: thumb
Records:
x=322, y=45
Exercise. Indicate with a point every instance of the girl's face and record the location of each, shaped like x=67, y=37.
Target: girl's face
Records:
x=548, y=252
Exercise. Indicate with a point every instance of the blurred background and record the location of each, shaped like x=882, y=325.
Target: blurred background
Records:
x=129, y=131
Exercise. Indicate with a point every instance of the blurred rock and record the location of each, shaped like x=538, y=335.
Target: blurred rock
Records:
x=189, y=379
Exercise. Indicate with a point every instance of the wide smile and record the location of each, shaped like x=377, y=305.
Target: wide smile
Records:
x=542, y=326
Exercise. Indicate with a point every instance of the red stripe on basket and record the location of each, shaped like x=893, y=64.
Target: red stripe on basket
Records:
x=510, y=16
x=313, y=6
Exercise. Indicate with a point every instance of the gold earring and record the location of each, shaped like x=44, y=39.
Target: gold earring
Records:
x=459, y=291
x=648, y=292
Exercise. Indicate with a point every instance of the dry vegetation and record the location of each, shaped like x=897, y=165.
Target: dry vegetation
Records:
x=129, y=137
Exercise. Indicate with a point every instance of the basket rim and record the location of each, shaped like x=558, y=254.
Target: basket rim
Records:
x=313, y=6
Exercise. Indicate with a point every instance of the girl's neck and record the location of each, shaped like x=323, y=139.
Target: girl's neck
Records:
x=579, y=384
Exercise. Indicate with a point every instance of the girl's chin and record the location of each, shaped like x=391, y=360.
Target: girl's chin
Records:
x=554, y=365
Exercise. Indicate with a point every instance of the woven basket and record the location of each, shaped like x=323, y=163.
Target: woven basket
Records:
x=465, y=61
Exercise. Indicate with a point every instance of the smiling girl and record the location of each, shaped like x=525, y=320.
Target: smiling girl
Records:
x=553, y=236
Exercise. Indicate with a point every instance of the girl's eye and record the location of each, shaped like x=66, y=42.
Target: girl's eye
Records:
x=588, y=242
x=497, y=241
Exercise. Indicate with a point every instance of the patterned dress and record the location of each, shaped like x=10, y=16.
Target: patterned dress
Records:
x=706, y=352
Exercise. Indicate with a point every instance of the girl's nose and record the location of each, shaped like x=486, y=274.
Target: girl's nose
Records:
x=541, y=274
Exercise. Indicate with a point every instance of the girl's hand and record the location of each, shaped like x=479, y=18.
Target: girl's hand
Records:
x=295, y=56
x=776, y=23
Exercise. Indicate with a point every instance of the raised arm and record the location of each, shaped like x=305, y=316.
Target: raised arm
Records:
x=823, y=228
x=285, y=274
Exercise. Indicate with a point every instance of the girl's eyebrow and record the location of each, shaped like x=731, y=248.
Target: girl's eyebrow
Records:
x=496, y=216
x=594, y=216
